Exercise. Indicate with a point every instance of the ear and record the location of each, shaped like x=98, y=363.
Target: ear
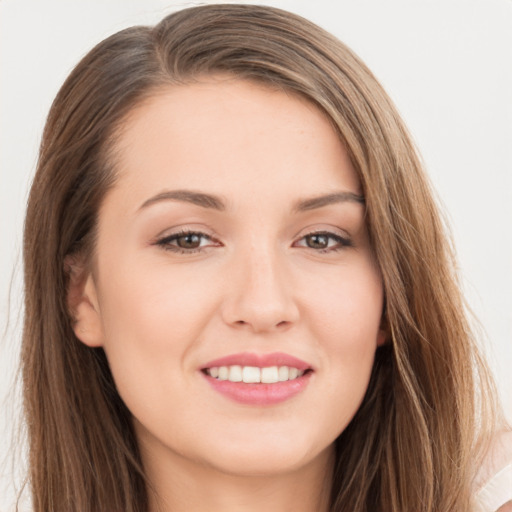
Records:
x=83, y=303
x=383, y=334
x=381, y=337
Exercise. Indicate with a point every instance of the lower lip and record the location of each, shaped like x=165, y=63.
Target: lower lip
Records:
x=259, y=394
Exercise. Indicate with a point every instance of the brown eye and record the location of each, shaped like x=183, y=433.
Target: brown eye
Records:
x=188, y=241
x=317, y=241
x=324, y=242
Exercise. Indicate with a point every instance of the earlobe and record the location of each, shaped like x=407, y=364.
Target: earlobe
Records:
x=83, y=305
x=384, y=331
x=381, y=337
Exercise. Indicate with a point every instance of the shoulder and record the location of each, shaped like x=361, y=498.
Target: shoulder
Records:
x=494, y=482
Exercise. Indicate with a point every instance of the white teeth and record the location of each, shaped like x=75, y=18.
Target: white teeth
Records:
x=284, y=373
x=255, y=375
x=269, y=375
x=251, y=374
x=235, y=374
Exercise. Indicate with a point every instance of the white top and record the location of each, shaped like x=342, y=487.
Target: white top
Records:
x=495, y=480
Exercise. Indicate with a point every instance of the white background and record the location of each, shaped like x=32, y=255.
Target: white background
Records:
x=447, y=64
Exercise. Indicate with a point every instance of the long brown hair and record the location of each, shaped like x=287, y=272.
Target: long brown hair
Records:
x=412, y=444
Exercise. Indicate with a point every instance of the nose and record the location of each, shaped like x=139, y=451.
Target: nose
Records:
x=260, y=294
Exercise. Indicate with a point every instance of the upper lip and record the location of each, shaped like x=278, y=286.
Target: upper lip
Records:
x=259, y=361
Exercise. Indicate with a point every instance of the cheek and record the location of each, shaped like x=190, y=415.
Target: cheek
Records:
x=153, y=304
x=345, y=315
x=152, y=321
x=346, y=306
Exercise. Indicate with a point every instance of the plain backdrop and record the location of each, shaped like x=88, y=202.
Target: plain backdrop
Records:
x=447, y=64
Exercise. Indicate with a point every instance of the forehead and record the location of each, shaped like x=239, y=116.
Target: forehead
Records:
x=226, y=134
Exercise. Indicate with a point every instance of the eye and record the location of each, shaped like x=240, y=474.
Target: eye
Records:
x=186, y=242
x=323, y=241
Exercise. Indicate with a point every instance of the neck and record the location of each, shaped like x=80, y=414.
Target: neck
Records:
x=180, y=485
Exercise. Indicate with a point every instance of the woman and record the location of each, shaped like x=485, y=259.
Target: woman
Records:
x=238, y=291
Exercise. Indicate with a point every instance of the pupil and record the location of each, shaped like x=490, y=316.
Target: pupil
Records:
x=317, y=241
x=190, y=241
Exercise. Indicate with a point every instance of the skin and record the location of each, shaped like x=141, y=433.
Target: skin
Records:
x=258, y=284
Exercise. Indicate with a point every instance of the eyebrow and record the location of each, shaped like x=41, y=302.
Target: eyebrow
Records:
x=216, y=203
x=187, y=196
x=326, y=200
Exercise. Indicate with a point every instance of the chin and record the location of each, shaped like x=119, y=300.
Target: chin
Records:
x=267, y=457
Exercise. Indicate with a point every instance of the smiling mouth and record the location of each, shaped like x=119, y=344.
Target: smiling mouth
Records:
x=258, y=379
x=254, y=374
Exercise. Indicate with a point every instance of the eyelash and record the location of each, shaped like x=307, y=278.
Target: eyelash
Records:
x=166, y=242
x=341, y=241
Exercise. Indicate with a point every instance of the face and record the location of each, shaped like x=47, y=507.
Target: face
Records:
x=234, y=290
